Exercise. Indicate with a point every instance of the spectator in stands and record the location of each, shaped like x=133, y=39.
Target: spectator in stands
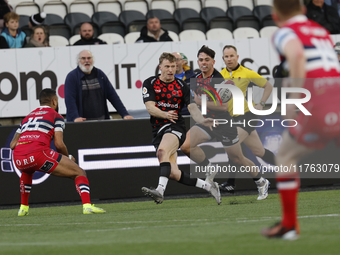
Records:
x=337, y=49
x=14, y=37
x=86, y=90
x=183, y=71
x=39, y=38
x=327, y=16
x=153, y=32
x=4, y=8
x=36, y=19
x=185, y=59
x=86, y=34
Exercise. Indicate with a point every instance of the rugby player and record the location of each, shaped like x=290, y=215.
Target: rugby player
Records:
x=308, y=51
x=164, y=97
x=227, y=135
x=31, y=152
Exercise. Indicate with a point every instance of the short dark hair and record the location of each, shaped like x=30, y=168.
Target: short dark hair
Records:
x=229, y=47
x=207, y=50
x=46, y=96
x=167, y=56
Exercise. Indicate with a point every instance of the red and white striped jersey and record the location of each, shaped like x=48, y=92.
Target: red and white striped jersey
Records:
x=37, y=130
x=321, y=59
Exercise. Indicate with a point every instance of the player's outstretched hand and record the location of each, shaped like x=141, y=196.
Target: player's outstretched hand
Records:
x=172, y=116
x=208, y=122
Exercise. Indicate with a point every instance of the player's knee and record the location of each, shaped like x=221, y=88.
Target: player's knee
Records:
x=236, y=159
x=161, y=153
x=186, y=149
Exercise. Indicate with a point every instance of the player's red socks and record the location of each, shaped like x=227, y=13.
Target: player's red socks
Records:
x=288, y=188
x=25, y=187
x=83, y=188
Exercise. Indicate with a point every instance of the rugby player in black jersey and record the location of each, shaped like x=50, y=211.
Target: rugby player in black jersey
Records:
x=164, y=96
x=227, y=135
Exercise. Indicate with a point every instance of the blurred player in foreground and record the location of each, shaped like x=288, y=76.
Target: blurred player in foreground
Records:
x=164, y=97
x=31, y=145
x=308, y=50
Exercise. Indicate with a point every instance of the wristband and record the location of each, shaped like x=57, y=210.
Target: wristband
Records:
x=70, y=156
x=263, y=104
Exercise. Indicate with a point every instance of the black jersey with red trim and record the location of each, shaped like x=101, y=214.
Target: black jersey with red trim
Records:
x=197, y=85
x=167, y=96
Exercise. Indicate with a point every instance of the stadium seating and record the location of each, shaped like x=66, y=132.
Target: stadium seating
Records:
x=194, y=23
x=60, y=29
x=219, y=34
x=27, y=8
x=191, y=4
x=76, y=19
x=263, y=2
x=113, y=27
x=268, y=31
x=173, y=36
x=222, y=22
x=99, y=18
x=52, y=19
x=127, y=17
x=209, y=13
x=83, y=6
x=136, y=5
x=183, y=14
x=74, y=38
x=243, y=17
x=113, y=6
x=131, y=37
x=263, y=14
x=23, y=21
x=168, y=5
x=245, y=33
x=58, y=41
x=55, y=7
x=245, y=3
x=171, y=25
x=111, y=38
x=192, y=35
x=222, y=4
x=159, y=13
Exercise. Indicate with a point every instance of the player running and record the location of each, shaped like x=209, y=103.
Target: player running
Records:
x=308, y=50
x=227, y=135
x=248, y=135
x=31, y=152
x=164, y=97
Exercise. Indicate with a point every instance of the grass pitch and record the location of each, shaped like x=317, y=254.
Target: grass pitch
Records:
x=181, y=226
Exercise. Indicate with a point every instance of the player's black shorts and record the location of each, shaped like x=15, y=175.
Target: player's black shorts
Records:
x=244, y=119
x=173, y=128
x=223, y=133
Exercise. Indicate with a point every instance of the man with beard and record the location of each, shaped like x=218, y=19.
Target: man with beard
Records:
x=86, y=34
x=86, y=91
x=31, y=152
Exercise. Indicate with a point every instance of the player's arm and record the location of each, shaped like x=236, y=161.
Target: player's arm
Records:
x=59, y=143
x=14, y=140
x=198, y=117
x=268, y=88
x=156, y=112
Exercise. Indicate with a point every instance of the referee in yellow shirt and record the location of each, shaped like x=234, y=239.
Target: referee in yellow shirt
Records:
x=242, y=77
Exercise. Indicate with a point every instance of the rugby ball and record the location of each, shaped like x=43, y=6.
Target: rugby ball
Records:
x=225, y=94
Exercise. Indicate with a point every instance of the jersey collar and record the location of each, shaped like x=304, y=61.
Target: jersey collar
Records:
x=296, y=19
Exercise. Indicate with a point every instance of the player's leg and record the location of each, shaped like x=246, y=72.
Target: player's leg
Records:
x=184, y=178
x=195, y=136
x=25, y=189
x=235, y=154
x=67, y=168
x=288, y=185
x=167, y=147
x=254, y=143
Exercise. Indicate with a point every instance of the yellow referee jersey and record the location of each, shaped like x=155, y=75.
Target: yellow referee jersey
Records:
x=242, y=76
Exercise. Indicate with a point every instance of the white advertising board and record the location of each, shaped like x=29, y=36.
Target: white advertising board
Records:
x=23, y=72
